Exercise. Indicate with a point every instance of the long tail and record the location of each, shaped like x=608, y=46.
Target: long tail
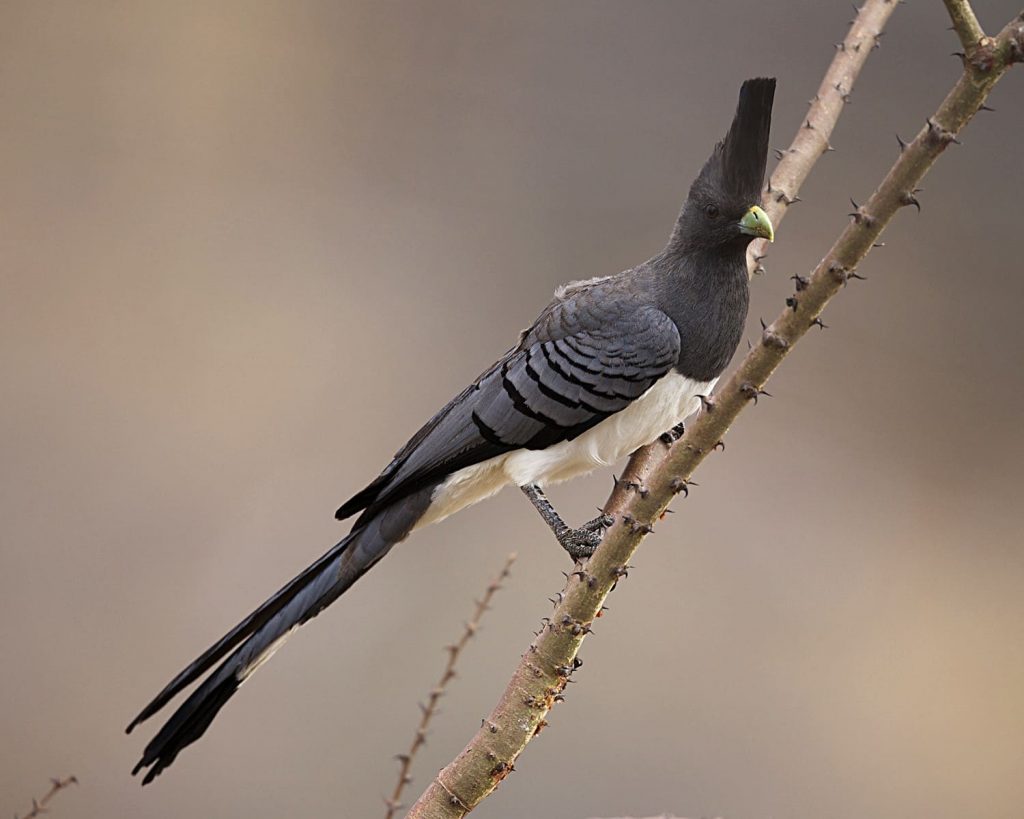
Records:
x=258, y=636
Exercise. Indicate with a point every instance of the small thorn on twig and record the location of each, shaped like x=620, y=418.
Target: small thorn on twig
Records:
x=903, y=145
x=802, y=282
x=839, y=272
x=707, y=403
x=819, y=323
x=681, y=485
x=719, y=445
x=940, y=134
x=859, y=216
x=751, y=392
x=984, y=107
x=772, y=339
x=793, y=302
x=642, y=528
x=908, y=198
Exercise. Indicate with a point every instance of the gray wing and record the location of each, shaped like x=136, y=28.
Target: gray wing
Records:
x=588, y=356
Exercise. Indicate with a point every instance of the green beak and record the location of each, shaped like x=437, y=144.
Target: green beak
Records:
x=755, y=222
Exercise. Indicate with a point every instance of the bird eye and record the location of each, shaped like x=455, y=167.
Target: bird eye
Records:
x=711, y=211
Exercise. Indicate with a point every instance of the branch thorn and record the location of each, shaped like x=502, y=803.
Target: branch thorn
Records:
x=751, y=392
x=908, y=198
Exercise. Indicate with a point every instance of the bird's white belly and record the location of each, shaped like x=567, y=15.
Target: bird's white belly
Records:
x=659, y=409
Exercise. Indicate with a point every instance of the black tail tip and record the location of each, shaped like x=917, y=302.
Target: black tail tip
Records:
x=758, y=92
x=185, y=726
x=758, y=85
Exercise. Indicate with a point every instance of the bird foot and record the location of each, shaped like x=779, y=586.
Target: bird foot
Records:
x=583, y=541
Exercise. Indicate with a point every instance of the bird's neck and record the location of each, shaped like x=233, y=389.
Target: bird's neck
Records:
x=706, y=294
x=704, y=270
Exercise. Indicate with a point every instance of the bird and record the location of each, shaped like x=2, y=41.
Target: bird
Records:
x=610, y=365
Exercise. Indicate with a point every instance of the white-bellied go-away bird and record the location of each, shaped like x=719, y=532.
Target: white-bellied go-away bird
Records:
x=609, y=366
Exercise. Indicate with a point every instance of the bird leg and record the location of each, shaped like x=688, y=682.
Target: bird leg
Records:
x=579, y=543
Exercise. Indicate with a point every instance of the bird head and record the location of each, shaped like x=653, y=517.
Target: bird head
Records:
x=723, y=207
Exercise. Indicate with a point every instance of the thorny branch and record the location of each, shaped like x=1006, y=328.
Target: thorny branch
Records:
x=56, y=785
x=429, y=709
x=965, y=24
x=657, y=473
x=811, y=140
x=544, y=670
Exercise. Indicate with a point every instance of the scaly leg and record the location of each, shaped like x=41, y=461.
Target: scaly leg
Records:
x=579, y=543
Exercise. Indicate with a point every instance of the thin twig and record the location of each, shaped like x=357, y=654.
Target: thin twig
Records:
x=965, y=24
x=811, y=140
x=56, y=785
x=657, y=473
x=428, y=710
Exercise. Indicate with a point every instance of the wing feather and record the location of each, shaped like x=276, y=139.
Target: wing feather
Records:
x=587, y=357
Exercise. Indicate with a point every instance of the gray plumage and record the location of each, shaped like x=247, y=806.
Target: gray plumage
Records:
x=606, y=362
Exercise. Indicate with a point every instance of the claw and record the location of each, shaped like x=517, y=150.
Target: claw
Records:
x=583, y=541
x=673, y=435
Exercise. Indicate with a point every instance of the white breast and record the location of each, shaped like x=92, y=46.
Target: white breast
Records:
x=659, y=409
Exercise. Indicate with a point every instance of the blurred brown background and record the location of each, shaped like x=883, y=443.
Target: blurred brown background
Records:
x=247, y=248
